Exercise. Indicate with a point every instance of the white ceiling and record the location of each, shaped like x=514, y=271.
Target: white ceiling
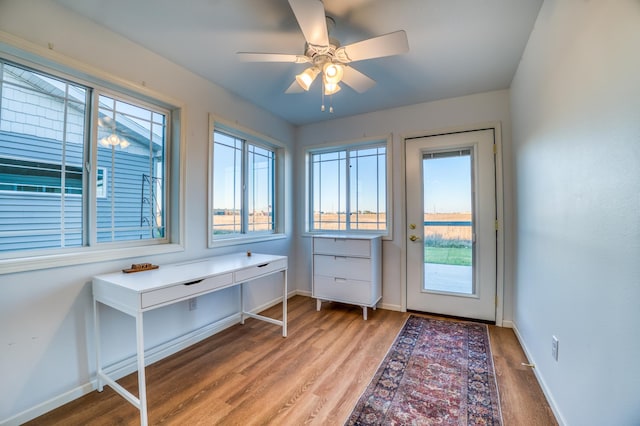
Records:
x=457, y=47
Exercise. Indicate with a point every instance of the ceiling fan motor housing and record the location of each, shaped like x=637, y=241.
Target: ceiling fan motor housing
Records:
x=321, y=55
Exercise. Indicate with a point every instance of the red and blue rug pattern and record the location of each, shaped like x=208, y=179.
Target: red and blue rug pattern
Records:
x=437, y=372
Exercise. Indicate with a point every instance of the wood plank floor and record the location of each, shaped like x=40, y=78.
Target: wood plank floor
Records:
x=250, y=375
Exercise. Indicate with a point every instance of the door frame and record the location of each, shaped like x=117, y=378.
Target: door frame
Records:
x=497, y=129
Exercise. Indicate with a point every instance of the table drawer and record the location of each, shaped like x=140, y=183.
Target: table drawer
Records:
x=342, y=290
x=357, y=268
x=342, y=247
x=180, y=291
x=256, y=271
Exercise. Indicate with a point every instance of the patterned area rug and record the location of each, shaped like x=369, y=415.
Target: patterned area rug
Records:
x=436, y=373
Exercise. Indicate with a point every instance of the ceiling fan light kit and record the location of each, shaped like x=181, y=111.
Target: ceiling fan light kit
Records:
x=306, y=77
x=326, y=54
x=332, y=73
x=331, y=88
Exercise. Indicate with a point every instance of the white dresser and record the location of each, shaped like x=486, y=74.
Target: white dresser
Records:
x=348, y=269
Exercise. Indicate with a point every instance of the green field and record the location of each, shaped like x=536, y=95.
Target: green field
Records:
x=448, y=255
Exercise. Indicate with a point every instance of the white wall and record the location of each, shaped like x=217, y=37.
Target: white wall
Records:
x=46, y=339
x=576, y=143
x=459, y=113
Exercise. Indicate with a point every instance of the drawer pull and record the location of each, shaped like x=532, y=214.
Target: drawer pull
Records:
x=193, y=282
x=263, y=265
x=340, y=279
x=340, y=258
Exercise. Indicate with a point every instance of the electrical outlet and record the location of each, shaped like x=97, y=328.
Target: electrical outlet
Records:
x=554, y=347
x=193, y=304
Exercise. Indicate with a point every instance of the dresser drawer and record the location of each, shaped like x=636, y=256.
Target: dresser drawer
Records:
x=356, y=268
x=342, y=247
x=342, y=290
x=256, y=271
x=180, y=291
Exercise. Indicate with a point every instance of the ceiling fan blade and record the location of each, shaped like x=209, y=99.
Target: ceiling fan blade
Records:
x=294, y=88
x=357, y=80
x=311, y=18
x=272, y=57
x=377, y=47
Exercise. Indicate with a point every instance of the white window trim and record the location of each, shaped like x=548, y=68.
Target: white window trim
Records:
x=387, y=235
x=32, y=55
x=258, y=139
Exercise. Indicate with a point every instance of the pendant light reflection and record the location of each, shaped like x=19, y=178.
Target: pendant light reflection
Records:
x=114, y=140
x=107, y=124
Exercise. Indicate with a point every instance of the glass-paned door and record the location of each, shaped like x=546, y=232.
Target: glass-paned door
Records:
x=451, y=235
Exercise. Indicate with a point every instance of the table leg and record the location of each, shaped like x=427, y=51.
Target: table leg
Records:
x=364, y=312
x=284, y=306
x=142, y=384
x=96, y=336
x=242, y=303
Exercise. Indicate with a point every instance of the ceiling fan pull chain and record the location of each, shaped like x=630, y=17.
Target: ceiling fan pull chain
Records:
x=322, y=94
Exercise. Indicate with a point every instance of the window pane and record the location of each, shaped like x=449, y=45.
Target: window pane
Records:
x=42, y=134
x=260, y=189
x=131, y=153
x=227, y=184
x=368, y=189
x=329, y=191
x=448, y=222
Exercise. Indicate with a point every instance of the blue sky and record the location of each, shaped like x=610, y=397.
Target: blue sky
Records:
x=447, y=184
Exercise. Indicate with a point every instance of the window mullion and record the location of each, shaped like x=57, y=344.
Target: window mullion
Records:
x=347, y=190
x=90, y=206
x=244, y=226
x=63, y=167
x=312, y=196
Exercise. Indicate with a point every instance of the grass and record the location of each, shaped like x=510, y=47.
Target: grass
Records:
x=448, y=255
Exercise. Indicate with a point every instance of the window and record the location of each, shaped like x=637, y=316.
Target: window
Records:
x=40, y=177
x=348, y=188
x=244, y=186
x=67, y=185
x=131, y=148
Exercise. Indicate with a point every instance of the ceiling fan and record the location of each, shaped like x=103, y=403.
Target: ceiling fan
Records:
x=326, y=57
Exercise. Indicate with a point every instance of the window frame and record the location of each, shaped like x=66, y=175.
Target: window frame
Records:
x=254, y=138
x=98, y=82
x=347, y=146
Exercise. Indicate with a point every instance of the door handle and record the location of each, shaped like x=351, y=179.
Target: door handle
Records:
x=413, y=238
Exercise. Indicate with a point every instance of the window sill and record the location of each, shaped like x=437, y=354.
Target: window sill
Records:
x=233, y=241
x=386, y=236
x=35, y=263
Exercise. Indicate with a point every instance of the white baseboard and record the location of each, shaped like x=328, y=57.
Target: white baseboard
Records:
x=380, y=305
x=390, y=307
x=507, y=324
x=129, y=365
x=539, y=378
x=49, y=405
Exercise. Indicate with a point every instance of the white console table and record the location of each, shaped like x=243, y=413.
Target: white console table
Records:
x=138, y=292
